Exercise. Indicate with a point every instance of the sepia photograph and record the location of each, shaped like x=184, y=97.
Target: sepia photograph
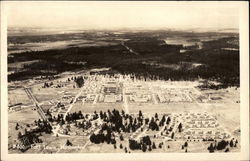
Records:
x=134, y=79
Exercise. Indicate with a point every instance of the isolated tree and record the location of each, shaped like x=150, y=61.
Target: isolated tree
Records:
x=180, y=127
x=16, y=127
x=125, y=149
x=162, y=121
x=172, y=135
x=140, y=113
x=236, y=142
x=211, y=148
x=19, y=135
x=168, y=120
x=153, y=146
x=160, y=146
x=231, y=143
x=227, y=150
x=48, y=113
x=156, y=115
x=68, y=143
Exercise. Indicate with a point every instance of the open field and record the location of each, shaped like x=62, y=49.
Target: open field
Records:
x=18, y=96
x=23, y=117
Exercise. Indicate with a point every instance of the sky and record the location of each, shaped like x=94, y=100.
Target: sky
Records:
x=115, y=15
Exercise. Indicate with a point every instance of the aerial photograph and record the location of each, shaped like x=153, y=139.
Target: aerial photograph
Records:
x=119, y=78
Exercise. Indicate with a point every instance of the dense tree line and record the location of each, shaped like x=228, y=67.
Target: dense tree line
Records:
x=27, y=140
x=31, y=136
x=144, y=144
x=218, y=64
x=70, y=117
x=223, y=144
x=116, y=122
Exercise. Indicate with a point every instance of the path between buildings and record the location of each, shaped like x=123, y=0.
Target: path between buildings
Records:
x=125, y=103
x=55, y=131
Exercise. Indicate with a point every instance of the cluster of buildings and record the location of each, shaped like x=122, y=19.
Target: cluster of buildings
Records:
x=15, y=107
x=140, y=98
x=201, y=126
x=176, y=94
x=205, y=134
x=74, y=129
x=112, y=89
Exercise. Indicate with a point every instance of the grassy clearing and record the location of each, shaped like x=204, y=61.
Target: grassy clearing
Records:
x=18, y=96
x=23, y=117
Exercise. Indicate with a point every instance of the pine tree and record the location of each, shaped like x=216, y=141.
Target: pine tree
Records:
x=144, y=147
x=121, y=137
x=180, y=127
x=186, y=144
x=211, y=148
x=153, y=146
x=231, y=143
x=168, y=120
x=140, y=113
x=68, y=143
x=125, y=149
x=19, y=135
x=172, y=136
x=156, y=115
x=149, y=148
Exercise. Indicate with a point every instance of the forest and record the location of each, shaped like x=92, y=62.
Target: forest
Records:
x=216, y=63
